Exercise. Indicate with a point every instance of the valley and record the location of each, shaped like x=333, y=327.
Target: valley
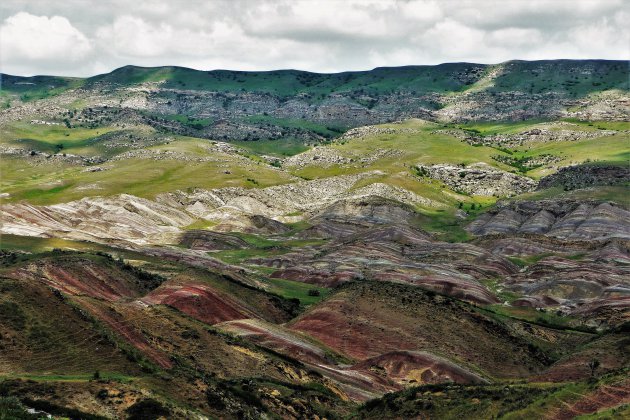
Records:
x=446, y=241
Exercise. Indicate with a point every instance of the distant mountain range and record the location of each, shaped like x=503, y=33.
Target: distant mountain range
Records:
x=243, y=105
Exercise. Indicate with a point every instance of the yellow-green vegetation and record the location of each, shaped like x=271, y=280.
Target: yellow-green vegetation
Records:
x=262, y=248
x=613, y=148
x=106, y=376
x=200, y=224
x=184, y=162
x=620, y=412
x=609, y=148
x=280, y=148
x=36, y=248
x=308, y=294
x=238, y=256
x=505, y=401
x=496, y=287
x=541, y=317
x=498, y=127
x=55, y=138
x=540, y=407
x=421, y=144
x=618, y=194
x=35, y=244
x=140, y=176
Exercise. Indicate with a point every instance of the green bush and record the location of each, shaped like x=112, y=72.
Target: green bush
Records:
x=12, y=409
x=147, y=409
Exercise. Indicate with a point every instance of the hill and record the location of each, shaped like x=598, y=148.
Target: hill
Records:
x=415, y=242
x=238, y=105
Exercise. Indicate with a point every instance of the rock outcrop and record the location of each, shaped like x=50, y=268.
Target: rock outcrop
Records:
x=120, y=218
x=563, y=219
x=589, y=175
x=478, y=179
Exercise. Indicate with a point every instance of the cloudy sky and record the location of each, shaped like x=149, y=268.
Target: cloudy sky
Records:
x=86, y=37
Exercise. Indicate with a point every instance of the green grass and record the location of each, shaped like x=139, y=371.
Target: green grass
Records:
x=197, y=123
x=143, y=177
x=294, y=289
x=536, y=77
x=106, y=376
x=620, y=412
x=302, y=124
x=414, y=148
x=38, y=87
x=529, y=260
x=444, y=226
x=286, y=83
x=618, y=194
x=540, y=317
x=495, y=285
x=238, y=256
x=280, y=148
x=200, y=224
x=487, y=128
x=261, y=247
x=55, y=138
x=37, y=245
x=609, y=149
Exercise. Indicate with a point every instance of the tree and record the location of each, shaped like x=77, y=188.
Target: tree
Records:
x=593, y=365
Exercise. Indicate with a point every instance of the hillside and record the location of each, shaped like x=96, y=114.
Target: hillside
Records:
x=284, y=104
x=414, y=242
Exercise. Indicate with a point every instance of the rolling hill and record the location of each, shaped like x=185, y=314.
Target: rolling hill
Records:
x=414, y=242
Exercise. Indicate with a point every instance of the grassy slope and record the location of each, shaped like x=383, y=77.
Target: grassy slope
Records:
x=52, y=181
x=517, y=401
x=55, y=182
x=560, y=75
x=279, y=148
x=52, y=139
x=356, y=318
x=428, y=147
x=37, y=87
x=146, y=177
x=291, y=82
x=575, y=78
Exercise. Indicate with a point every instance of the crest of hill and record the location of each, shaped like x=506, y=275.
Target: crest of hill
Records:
x=572, y=77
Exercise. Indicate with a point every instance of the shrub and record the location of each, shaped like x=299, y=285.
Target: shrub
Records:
x=12, y=408
x=147, y=409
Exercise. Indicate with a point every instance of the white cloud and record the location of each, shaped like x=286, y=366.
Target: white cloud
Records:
x=132, y=36
x=308, y=20
x=80, y=37
x=596, y=39
x=422, y=11
x=453, y=39
x=515, y=38
x=41, y=40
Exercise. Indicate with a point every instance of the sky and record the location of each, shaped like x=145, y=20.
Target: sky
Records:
x=87, y=37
